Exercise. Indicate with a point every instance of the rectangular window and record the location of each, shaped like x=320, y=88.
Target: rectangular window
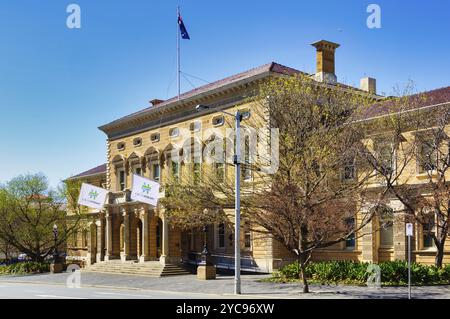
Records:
x=427, y=157
x=175, y=168
x=386, y=155
x=349, y=169
x=248, y=239
x=428, y=230
x=386, y=228
x=121, y=179
x=75, y=238
x=156, y=172
x=221, y=235
x=138, y=170
x=350, y=243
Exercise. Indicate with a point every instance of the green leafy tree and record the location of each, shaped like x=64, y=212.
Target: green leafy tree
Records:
x=28, y=210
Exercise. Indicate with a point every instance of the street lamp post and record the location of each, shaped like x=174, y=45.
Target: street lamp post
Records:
x=55, y=247
x=237, y=204
x=205, y=252
x=237, y=198
x=55, y=266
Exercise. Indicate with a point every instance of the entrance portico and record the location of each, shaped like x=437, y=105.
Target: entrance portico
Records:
x=132, y=231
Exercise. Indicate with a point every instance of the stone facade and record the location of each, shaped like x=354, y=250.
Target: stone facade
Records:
x=142, y=143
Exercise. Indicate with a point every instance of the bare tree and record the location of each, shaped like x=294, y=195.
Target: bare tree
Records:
x=313, y=199
x=408, y=149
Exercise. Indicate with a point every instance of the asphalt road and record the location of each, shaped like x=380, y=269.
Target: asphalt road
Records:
x=116, y=286
x=49, y=291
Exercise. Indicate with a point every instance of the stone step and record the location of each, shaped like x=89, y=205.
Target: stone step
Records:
x=151, y=269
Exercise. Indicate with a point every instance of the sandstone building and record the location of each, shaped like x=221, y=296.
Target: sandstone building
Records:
x=142, y=143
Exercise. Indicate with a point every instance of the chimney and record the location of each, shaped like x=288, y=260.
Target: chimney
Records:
x=369, y=85
x=325, y=66
x=156, y=102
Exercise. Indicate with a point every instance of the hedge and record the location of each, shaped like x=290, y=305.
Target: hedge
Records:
x=30, y=267
x=350, y=272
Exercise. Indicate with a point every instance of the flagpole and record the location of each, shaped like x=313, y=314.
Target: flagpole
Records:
x=178, y=52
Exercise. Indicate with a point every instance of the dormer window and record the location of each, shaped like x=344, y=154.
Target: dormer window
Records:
x=195, y=126
x=174, y=132
x=154, y=137
x=121, y=146
x=137, y=142
x=218, y=120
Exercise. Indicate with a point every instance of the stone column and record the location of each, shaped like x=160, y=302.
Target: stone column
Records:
x=399, y=229
x=100, y=238
x=109, y=238
x=144, y=215
x=165, y=242
x=126, y=235
x=400, y=239
x=369, y=246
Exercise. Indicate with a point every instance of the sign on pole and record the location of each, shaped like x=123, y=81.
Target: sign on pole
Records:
x=145, y=190
x=409, y=229
x=92, y=196
x=409, y=233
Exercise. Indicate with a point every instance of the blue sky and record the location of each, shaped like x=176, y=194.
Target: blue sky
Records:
x=57, y=85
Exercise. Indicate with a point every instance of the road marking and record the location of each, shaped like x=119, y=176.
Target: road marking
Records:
x=34, y=291
x=59, y=297
x=119, y=294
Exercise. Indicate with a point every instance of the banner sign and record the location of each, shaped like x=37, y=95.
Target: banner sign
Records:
x=145, y=190
x=92, y=196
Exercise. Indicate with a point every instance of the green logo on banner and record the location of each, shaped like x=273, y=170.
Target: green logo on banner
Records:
x=146, y=188
x=93, y=194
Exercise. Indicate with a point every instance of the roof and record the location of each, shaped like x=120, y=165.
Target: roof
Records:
x=415, y=101
x=101, y=169
x=268, y=68
x=231, y=81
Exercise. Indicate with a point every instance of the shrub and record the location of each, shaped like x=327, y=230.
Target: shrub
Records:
x=25, y=268
x=350, y=272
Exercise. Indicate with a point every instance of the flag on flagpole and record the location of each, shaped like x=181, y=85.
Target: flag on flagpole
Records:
x=92, y=196
x=145, y=190
x=183, y=31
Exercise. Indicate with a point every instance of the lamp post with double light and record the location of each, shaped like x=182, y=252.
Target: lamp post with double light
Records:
x=237, y=224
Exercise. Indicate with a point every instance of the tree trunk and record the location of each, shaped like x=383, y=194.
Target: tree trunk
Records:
x=303, y=258
x=439, y=255
x=304, y=279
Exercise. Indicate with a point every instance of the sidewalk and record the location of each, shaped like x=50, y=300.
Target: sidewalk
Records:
x=224, y=286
